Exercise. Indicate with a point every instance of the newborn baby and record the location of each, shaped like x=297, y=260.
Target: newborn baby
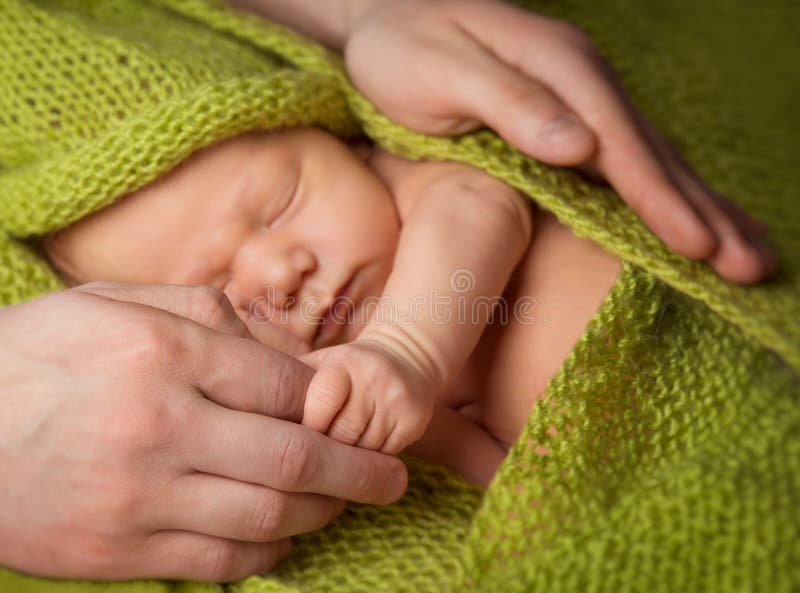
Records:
x=303, y=231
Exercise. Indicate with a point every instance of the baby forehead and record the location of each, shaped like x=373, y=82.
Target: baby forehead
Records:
x=306, y=149
x=310, y=162
x=309, y=138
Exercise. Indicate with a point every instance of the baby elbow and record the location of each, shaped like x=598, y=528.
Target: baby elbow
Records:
x=494, y=203
x=519, y=212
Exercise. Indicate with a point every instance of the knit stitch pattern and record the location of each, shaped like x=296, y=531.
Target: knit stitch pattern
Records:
x=665, y=454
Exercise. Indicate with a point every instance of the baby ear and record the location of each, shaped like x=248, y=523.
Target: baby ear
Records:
x=362, y=147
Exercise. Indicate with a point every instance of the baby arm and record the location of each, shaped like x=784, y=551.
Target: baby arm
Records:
x=463, y=233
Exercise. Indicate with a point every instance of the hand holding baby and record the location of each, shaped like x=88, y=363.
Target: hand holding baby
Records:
x=542, y=84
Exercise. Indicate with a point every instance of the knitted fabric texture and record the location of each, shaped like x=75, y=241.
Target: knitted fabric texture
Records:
x=665, y=455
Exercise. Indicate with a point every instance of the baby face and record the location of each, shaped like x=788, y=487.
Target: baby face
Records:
x=285, y=223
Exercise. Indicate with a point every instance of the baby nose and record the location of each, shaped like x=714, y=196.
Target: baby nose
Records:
x=285, y=277
x=303, y=260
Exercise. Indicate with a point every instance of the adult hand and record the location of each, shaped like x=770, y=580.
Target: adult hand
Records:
x=145, y=434
x=450, y=66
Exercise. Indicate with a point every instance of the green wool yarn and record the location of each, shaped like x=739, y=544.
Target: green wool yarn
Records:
x=666, y=453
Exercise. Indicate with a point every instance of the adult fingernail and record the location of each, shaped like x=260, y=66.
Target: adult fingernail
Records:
x=564, y=128
x=691, y=235
x=767, y=257
x=277, y=555
x=398, y=482
x=283, y=551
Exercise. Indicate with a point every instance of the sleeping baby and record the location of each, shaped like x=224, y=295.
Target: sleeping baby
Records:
x=434, y=301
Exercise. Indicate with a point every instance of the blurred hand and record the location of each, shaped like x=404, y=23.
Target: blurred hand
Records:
x=450, y=66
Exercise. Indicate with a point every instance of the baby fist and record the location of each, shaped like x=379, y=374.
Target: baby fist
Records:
x=364, y=394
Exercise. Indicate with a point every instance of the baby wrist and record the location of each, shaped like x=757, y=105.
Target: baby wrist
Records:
x=409, y=351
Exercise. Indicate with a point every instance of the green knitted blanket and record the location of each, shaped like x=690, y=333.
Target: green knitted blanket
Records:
x=666, y=455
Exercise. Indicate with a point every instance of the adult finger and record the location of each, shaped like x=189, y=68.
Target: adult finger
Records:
x=269, y=333
x=213, y=349
x=742, y=255
x=632, y=165
x=205, y=305
x=186, y=555
x=747, y=224
x=288, y=457
x=746, y=221
x=578, y=74
x=250, y=512
x=243, y=374
x=520, y=108
x=276, y=337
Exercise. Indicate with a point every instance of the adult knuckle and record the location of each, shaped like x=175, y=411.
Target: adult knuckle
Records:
x=94, y=555
x=124, y=503
x=284, y=385
x=518, y=91
x=222, y=560
x=149, y=345
x=266, y=518
x=364, y=481
x=142, y=424
x=298, y=461
x=130, y=432
x=144, y=335
x=575, y=36
x=211, y=307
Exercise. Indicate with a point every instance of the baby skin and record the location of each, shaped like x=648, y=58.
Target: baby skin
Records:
x=302, y=231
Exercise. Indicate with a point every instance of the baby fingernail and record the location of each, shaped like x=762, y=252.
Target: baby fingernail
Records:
x=564, y=128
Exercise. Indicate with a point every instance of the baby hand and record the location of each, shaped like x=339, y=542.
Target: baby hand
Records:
x=364, y=394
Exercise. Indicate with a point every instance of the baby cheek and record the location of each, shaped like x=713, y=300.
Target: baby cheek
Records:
x=385, y=250
x=382, y=243
x=383, y=229
x=361, y=229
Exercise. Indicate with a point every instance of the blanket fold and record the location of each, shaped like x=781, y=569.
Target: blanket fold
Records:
x=666, y=454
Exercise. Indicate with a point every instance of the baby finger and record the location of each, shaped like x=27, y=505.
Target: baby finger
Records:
x=326, y=395
x=352, y=420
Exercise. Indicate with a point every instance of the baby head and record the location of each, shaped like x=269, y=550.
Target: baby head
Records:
x=286, y=223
